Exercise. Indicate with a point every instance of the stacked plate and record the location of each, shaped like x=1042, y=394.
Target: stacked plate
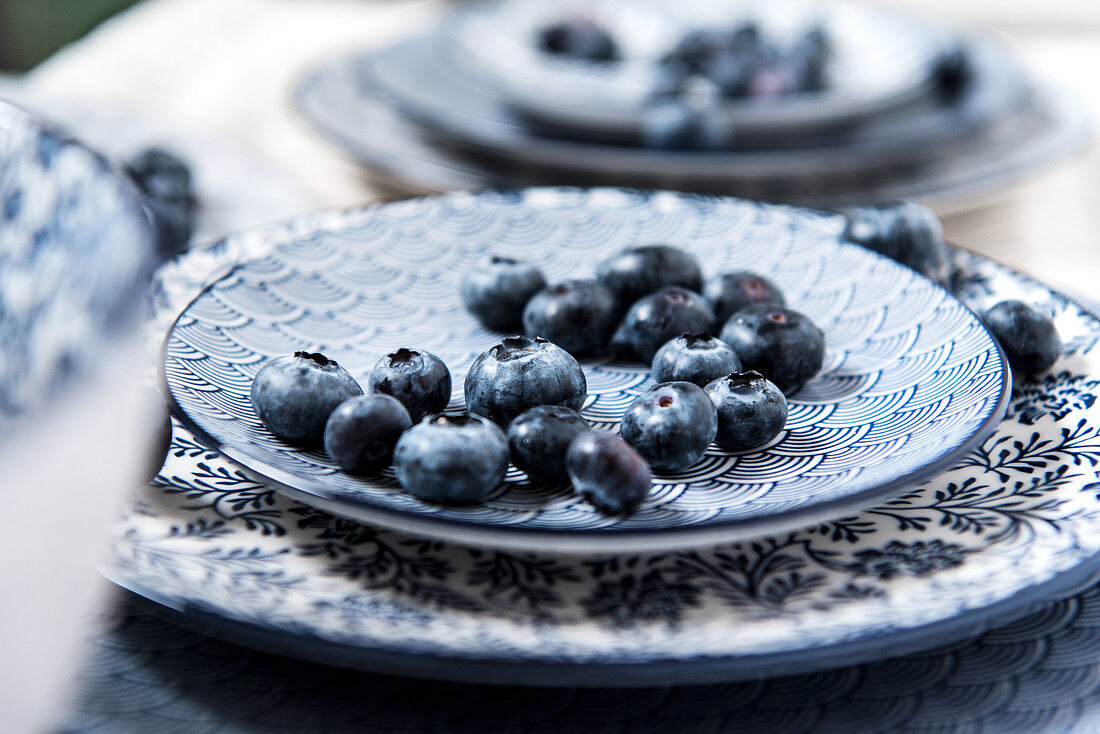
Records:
x=905, y=108
x=911, y=500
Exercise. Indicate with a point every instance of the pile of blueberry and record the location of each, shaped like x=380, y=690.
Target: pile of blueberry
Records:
x=523, y=394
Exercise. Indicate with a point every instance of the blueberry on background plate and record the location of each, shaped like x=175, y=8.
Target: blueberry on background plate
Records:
x=579, y=38
x=451, y=459
x=361, y=433
x=780, y=343
x=661, y=316
x=166, y=182
x=639, y=271
x=577, y=315
x=697, y=358
x=519, y=373
x=497, y=288
x=418, y=379
x=751, y=410
x=608, y=472
x=671, y=425
x=906, y=232
x=1027, y=335
x=728, y=293
x=294, y=395
x=539, y=438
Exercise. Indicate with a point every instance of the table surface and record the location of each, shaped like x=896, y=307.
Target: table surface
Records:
x=227, y=65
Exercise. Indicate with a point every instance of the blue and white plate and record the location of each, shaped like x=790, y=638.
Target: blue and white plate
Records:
x=1015, y=521
x=881, y=60
x=912, y=379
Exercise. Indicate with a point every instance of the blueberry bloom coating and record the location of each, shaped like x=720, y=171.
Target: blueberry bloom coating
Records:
x=608, y=472
x=519, y=373
x=294, y=395
x=639, y=271
x=1027, y=335
x=697, y=358
x=451, y=459
x=908, y=233
x=780, y=343
x=497, y=288
x=664, y=315
x=418, y=379
x=361, y=433
x=671, y=425
x=539, y=438
x=751, y=410
x=577, y=315
x=728, y=293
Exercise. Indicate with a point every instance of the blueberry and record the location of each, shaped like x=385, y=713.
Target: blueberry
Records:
x=1027, y=335
x=497, y=288
x=294, y=395
x=579, y=38
x=608, y=472
x=519, y=373
x=663, y=315
x=671, y=425
x=160, y=174
x=668, y=124
x=418, y=379
x=954, y=72
x=697, y=358
x=539, y=438
x=751, y=410
x=166, y=182
x=639, y=271
x=782, y=344
x=728, y=293
x=730, y=74
x=361, y=433
x=451, y=459
x=577, y=315
x=906, y=232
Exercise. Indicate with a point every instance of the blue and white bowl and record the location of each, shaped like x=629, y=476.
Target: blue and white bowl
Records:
x=75, y=259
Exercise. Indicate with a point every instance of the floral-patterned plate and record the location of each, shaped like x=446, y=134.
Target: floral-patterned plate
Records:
x=1011, y=523
x=912, y=378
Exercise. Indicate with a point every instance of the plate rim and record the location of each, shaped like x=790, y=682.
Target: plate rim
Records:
x=595, y=540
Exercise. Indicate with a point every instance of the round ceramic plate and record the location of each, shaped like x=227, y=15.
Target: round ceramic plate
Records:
x=1016, y=520
x=880, y=61
x=912, y=379
x=421, y=141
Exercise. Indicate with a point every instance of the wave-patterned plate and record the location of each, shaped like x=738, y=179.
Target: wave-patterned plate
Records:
x=912, y=379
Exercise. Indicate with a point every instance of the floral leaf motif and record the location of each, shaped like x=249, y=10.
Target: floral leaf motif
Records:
x=230, y=494
x=414, y=575
x=1004, y=455
x=847, y=529
x=633, y=599
x=898, y=559
x=341, y=535
x=771, y=576
x=1056, y=395
x=521, y=580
